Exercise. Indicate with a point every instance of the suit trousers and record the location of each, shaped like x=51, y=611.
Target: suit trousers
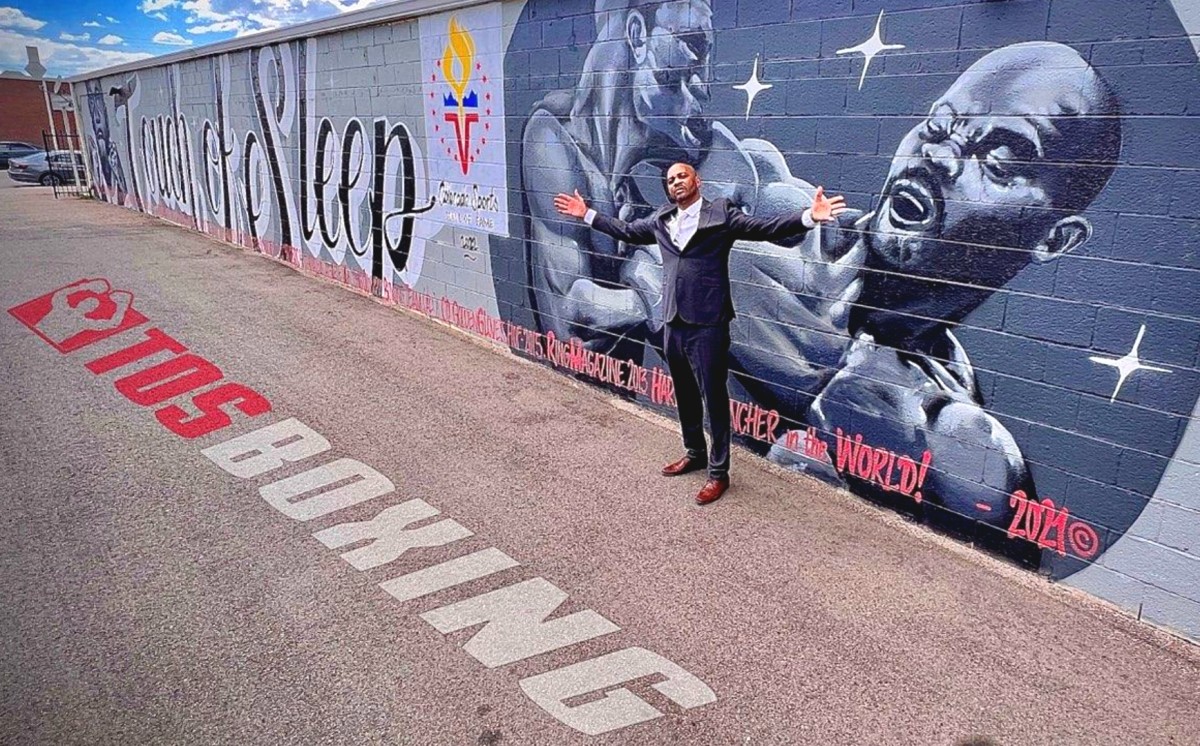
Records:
x=698, y=358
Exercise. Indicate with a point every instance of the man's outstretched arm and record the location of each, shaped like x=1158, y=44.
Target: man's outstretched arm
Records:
x=791, y=226
x=639, y=232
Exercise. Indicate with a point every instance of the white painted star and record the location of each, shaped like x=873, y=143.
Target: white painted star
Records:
x=1127, y=365
x=752, y=87
x=869, y=48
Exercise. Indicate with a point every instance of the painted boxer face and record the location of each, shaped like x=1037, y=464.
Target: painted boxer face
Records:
x=672, y=70
x=992, y=179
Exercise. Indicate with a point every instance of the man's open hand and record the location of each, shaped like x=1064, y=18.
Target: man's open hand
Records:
x=826, y=208
x=572, y=205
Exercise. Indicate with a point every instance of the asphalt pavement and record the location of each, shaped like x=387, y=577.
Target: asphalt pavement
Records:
x=159, y=588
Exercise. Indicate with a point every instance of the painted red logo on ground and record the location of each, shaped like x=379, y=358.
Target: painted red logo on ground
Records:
x=79, y=314
x=87, y=311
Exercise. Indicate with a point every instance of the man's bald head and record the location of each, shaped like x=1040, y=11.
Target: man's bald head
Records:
x=683, y=167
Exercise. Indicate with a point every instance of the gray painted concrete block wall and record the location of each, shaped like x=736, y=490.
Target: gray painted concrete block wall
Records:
x=1043, y=414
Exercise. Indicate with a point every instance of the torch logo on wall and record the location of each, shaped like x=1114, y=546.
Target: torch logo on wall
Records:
x=464, y=116
x=462, y=105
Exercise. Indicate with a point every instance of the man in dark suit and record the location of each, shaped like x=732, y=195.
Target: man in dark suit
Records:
x=695, y=237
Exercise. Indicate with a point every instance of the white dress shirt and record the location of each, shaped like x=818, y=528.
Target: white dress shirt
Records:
x=683, y=224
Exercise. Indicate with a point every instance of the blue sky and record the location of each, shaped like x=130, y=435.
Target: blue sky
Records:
x=76, y=36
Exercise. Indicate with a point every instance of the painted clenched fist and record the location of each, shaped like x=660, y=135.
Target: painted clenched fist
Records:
x=86, y=305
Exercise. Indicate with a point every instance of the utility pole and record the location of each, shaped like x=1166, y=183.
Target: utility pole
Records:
x=65, y=103
x=37, y=71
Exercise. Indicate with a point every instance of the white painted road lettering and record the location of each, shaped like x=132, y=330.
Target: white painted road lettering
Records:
x=448, y=574
x=516, y=619
x=366, y=484
x=267, y=448
x=390, y=536
x=515, y=626
x=620, y=708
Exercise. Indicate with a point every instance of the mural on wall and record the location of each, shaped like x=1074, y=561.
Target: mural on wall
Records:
x=972, y=196
x=265, y=161
x=863, y=340
x=462, y=52
x=1000, y=338
x=107, y=169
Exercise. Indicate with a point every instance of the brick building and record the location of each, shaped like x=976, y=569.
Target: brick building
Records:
x=23, y=107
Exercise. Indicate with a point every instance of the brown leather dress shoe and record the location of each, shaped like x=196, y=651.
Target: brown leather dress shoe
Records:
x=683, y=466
x=712, y=491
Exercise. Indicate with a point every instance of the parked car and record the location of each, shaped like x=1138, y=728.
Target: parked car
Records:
x=47, y=169
x=11, y=149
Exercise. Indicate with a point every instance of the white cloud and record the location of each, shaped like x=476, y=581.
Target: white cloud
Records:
x=347, y=7
x=171, y=39
x=70, y=55
x=62, y=58
x=202, y=10
x=264, y=22
x=251, y=16
x=218, y=27
x=15, y=18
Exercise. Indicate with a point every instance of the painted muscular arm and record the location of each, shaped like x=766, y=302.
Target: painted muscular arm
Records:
x=639, y=232
x=793, y=302
x=563, y=252
x=977, y=464
x=909, y=404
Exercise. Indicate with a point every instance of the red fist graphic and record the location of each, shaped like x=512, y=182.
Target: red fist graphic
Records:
x=79, y=314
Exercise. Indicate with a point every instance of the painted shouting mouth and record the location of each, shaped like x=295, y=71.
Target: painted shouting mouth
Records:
x=911, y=205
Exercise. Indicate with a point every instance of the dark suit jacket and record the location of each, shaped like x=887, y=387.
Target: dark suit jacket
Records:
x=696, y=279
